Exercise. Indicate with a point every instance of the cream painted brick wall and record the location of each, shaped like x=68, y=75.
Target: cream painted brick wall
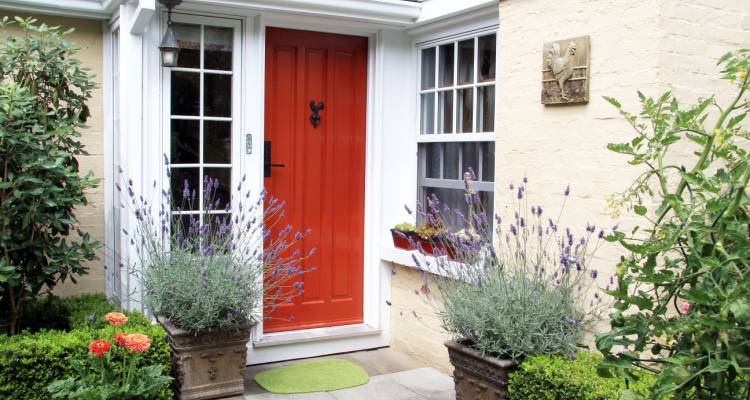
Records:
x=652, y=45
x=88, y=35
x=415, y=327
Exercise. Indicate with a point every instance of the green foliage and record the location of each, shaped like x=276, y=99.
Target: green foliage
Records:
x=682, y=310
x=405, y=227
x=30, y=362
x=514, y=315
x=145, y=383
x=43, y=98
x=45, y=312
x=554, y=377
x=519, y=291
x=217, y=271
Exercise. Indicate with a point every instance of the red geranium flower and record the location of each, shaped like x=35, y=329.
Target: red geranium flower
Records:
x=99, y=347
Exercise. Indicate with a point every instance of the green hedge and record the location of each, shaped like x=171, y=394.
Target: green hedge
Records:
x=31, y=361
x=562, y=378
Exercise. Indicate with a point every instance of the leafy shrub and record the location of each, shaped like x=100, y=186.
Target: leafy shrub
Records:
x=682, y=309
x=29, y=362
x=43, y=97
x=554, y=377
x=529, y=294
x=45, y=312
x=216, y=271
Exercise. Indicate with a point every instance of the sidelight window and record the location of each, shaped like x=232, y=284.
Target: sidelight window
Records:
x=202, y=119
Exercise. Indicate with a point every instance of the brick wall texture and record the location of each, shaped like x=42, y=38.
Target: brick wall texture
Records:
x=651, y=45
x=88, y=35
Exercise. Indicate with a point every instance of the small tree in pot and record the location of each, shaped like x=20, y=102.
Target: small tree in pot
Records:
x=528, y=294
x=208, y=276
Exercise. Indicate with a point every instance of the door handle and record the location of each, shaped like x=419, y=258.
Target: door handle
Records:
x=267, y=163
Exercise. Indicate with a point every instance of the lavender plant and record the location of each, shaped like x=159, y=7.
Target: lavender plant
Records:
x=525, y=287
x=222, y=268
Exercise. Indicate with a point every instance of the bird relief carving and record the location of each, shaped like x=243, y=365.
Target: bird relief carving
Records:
x=565, y=75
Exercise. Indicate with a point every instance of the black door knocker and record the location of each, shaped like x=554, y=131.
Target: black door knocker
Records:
x=315, y=117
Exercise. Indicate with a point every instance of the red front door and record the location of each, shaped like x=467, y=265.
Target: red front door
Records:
x=323, y=177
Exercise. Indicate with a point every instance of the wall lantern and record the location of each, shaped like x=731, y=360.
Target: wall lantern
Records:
x=169, y=47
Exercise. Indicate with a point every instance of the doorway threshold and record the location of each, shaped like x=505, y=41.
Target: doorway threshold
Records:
x=316, y=334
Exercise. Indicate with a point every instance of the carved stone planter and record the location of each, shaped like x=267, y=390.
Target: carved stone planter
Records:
x=208, y=365
x=478, y=377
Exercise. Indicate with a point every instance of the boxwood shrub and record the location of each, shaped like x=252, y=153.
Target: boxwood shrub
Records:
x=549, y=377
x=32, y=360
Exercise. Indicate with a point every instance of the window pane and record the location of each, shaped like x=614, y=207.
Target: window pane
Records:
x=428, y=114
x=217, y=142
x=445, y=112
x=185, y=96
x=487, y=58
x=189, y=39
x=218, y=48
x=428, y=68
x=455, y=200
x=220, y=196
x=432, y=153
x=217, y=98
x=466, y=62
x=486, y=109
x=446, y=65
x=465, y=110
x=450, y=161
x=470, y=158
x=184, y=178
x=184, y=141
x=488, y=162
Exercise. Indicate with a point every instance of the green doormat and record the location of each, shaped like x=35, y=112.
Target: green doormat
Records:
x=314, y=376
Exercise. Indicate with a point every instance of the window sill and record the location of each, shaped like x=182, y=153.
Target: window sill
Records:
x=405, y=258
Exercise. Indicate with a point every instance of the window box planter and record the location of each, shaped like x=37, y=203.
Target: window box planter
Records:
x=401, y=241
x=477, y=376
x=208, y=365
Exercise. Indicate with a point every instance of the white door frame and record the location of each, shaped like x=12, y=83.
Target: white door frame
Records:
x=373, y=332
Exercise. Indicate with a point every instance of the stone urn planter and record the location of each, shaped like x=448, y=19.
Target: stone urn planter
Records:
x=478, y=377
x=208, y=365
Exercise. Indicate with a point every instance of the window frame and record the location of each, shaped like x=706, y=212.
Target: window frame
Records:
x=435, y=137
x=235, y=162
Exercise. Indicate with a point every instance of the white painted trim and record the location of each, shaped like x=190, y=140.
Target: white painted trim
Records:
x=143, y=14
x=435, y=11
x=68, y=8
x=387, y=12
x=315, y=335
x=109, y=173
x=465, y=22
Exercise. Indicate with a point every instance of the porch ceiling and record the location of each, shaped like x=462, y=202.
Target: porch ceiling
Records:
x=390, y=12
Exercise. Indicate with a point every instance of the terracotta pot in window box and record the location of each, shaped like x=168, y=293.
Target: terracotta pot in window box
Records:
x=433, y=247
x=208, y=365
x=477, y=376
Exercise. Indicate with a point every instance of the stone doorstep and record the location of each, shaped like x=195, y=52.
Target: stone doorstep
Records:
x=415, y=384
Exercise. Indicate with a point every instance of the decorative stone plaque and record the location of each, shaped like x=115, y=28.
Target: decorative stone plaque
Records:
x=565, y=71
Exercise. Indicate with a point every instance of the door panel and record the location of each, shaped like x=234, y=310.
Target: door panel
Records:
x=323, y=177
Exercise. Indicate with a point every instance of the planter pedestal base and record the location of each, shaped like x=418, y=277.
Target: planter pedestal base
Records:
x=478, y=377
x=208, y=365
